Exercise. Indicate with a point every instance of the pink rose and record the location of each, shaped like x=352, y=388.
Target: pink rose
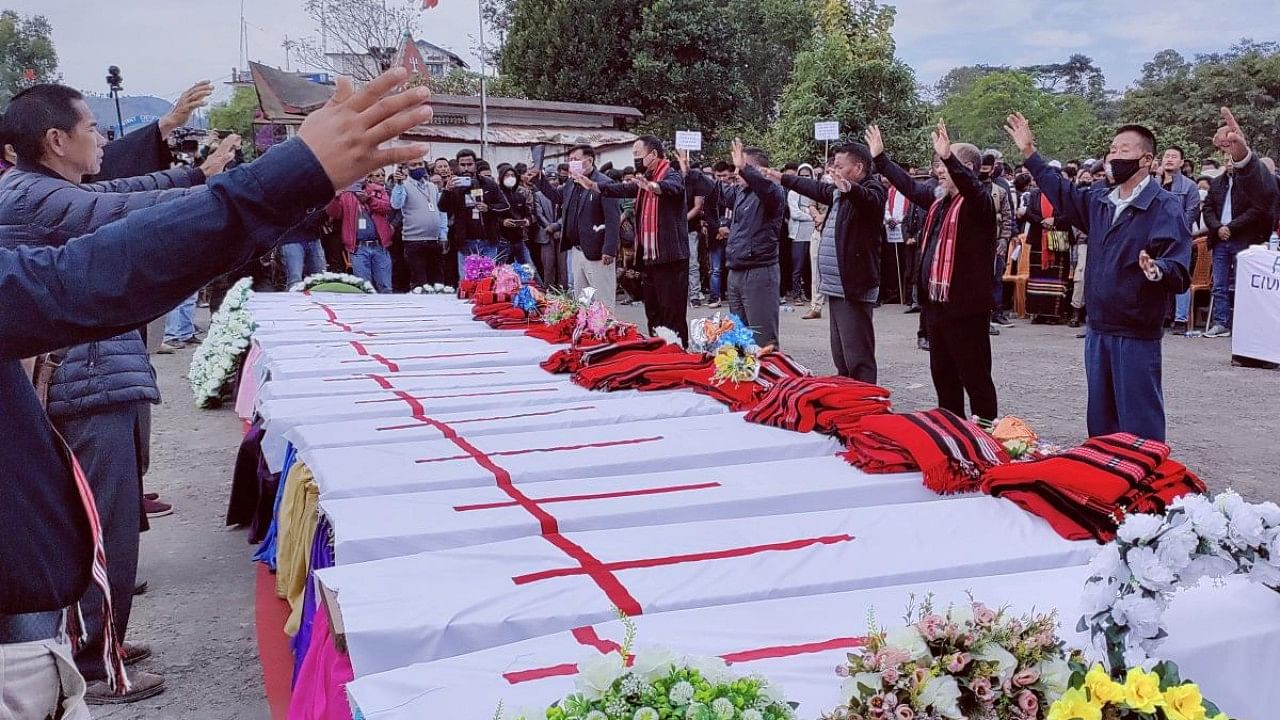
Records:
x=1028, y=703
x=983, y=615
x=959, y=662
x=842, y=671
x=904, y=712
x=1025, y=677
x=982, y=689
x=931, y=627
x=890, y=676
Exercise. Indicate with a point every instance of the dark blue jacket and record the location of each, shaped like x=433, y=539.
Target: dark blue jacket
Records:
x=1120, y=298
x=97, y=287
x=593, y=211
x=759, y=209
x=38, y=207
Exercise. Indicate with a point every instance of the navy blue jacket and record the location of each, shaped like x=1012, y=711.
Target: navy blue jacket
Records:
x=759, y=209
x=1120, y=298
x=593, y=211
x=97, y=287
x=38, y=207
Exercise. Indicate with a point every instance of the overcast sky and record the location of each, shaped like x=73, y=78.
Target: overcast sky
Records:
x=162, y=46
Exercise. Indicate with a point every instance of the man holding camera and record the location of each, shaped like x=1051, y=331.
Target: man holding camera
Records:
x=426, y=239
x=475, y=205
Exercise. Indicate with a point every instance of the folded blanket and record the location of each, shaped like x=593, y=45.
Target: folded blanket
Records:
x=775, y=367
x=662, y=369
x=573, y=359
x=557, y=333
x=951, y=453
x=805, y=404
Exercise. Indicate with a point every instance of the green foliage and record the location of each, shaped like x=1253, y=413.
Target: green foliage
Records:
x=849, y=73
x=25, y=44
x=1063, y=122
x=237, y=114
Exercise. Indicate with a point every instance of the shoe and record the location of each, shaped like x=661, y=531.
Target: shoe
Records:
x=1001, y=320
x=812, y=315
x=167, y=348
x=912, y=309
x=696, y=302
x=1218, y=331
x=136, y=652
x=714, y=304
x=151, y=496
x=1179, y=328
x=1074, y=322
x=195, y=339
x=923, y=343
x=800, y=301
x=145, y=685
x=1080, y=335
x=156, y=509
x=992, y=330
x=140, y=589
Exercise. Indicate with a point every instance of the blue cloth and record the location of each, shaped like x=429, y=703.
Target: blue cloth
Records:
x=180, y=323
x=1125, y=392
x=268, y=548
x=366, y=231
x=715, y=270
x=1224, y=275
x=302, y=259
x=373, y=263
x=120, y=276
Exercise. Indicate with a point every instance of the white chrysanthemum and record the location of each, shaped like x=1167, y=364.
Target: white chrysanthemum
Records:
x=595, y=715
x=1205, y=516
x=1265, y=573
x=943, y=695
x=752, y=714
x=1099, y=596
x=1246, y=528
x=713, y=669
x=1107, y=563
x=723, y=709
x=1135, y=656
x=1006, y=663
x=681, y=693
x=645, y=713
x=1147, y=569
x=1140, y=613
x=1176, y=547
x=1055, y=676
x=598, y=673
x=1139, y=528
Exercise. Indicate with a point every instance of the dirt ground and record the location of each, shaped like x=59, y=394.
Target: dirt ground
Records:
x=198, y=613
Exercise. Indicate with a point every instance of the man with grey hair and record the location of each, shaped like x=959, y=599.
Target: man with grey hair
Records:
x=958, y=245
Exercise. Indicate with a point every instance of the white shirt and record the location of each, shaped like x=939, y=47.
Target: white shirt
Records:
x=1120, y=203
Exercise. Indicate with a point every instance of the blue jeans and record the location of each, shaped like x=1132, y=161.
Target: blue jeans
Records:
x=180, y=323
x=1181, y=306
x=514, y=252
x=372, y=262
x=1125, y=390
x=475, y=247
x=715, y=271
x=1224, y=265
x=301, y=259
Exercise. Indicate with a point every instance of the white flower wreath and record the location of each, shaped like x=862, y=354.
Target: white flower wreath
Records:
x=216, y=360
x=1134, y=578
x=433, y=289
x=322, y=278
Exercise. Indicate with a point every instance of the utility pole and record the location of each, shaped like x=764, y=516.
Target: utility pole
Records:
x=484, y=94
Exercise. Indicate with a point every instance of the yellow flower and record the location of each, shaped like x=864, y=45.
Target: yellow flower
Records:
x=1142, y=691
x=1075, y=705
x=1101, y=687
x=1183, y=702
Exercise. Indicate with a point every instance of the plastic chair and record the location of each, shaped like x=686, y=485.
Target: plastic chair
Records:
x=1201, y=278
x=1019, y=276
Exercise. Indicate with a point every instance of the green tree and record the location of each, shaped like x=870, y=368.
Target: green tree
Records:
x=27, y=56
x=765, y=36
x=848, y=73
x=237, y=114
x=1063, y=122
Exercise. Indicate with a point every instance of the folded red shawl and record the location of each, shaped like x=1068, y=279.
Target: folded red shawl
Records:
x=805, y=404
x=661, y=369
x=775, y=367
x=951, y=453
x=557, y=333
x=573, y=359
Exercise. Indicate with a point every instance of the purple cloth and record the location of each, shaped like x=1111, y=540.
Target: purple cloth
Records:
x=321, y=558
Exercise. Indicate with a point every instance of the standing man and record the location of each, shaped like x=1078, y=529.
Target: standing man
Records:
x=1237, y=216
x=1002, y=196
x=958, y=246
x=426, y=239
x=751, y=253
x=475, y=205
x=1188, y=194
x=662, y=233
x=588, y=228
x=849, y=255
x=1141, y=252
x=364, y=212
x=695, y=198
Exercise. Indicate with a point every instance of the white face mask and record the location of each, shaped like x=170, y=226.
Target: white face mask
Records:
x=509, y=182
x=1203, y=194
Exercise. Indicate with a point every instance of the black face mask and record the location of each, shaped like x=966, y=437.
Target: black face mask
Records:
x=1122, y=169
x=639, y=165
x=984, y=176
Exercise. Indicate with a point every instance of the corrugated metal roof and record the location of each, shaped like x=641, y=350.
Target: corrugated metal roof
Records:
x=473, y=101
x=522, y=135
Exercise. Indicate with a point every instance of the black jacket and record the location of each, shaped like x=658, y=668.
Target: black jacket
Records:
x=859, y=228
x=1251, y=212
x=673, y=221
x=595, y=225
x=463, y=225
x=975, y=254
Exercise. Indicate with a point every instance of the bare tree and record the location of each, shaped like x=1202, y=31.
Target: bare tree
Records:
x=355, y=37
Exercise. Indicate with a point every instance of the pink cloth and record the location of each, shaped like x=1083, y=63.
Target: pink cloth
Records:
x=320, y=692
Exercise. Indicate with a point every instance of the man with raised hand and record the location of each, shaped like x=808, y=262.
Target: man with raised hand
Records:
x=100, y=285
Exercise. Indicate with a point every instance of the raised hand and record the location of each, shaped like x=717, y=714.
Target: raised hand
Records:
x=1230, y=138
x=941, y=140
x=192, y=98
x=1020, y=132
x=585, y=182
x=736, y=152
x=218, y=159
x=346, y=134
x=683, y=157
x=771, y=174
x=875, y=142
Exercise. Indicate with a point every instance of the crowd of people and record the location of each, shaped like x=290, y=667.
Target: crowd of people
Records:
x=97, y=241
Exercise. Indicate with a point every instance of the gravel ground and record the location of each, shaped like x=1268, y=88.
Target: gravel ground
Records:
x=198, y=614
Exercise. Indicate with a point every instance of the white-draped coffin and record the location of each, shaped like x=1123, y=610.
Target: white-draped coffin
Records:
x=501, y=353
x=594, y=410
x=412, y=382
x=1227, y=639
x=406, y=332
x=439, y=604
x=373, y=528
x=530, y=457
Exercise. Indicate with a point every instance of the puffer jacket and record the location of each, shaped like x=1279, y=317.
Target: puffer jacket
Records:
x=38, y=207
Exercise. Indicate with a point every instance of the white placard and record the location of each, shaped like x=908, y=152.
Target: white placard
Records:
x=1256, y=331
x=689, y=140
x=826, y=130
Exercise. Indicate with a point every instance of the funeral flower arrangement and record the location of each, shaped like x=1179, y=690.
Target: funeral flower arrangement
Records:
x=971, y=662
x=1156, y=695
x=433, y=289
x=1133, y=578
x=477, y=267
x=325, y=278
x=558, y=306
x=218, y=358
x=730, y=343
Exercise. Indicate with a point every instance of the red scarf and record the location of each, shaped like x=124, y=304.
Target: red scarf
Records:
x=944, y=255
x=647, y=209
x=1046, y=212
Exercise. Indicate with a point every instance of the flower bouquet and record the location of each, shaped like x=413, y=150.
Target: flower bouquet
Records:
x=433, y=289
x=970, y=662
x=331, y=278
x=476, y=267
x=217, y=360
x=1157, y=695
x=731, y=344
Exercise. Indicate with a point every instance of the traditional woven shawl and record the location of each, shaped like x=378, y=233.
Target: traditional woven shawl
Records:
x=951, y=453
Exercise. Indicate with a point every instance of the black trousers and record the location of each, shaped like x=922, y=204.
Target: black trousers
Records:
x=426, y=262
x=960, y=362
x=108, y=444
x=666, y=297
x=853, y=338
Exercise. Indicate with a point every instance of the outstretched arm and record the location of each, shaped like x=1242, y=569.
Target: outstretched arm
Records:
x=918, y=193
x=1070, y=204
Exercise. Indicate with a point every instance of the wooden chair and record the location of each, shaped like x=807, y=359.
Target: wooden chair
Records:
x=1019, y=275
x=1201, y=276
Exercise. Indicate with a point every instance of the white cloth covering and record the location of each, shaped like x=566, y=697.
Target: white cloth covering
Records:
x=611, y=449
x=392, y=349
x=1227, y=639
x=594, y=410
x=439, y=358
x=373, y=528
x=414, y=382
x=440, y=604
x=406, y=332
x=1255, y=331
